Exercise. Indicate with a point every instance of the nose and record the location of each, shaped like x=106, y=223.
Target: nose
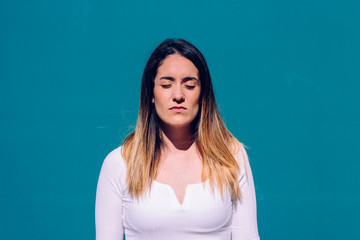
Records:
x=178, y=95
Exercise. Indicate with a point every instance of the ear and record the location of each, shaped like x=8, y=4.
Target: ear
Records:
x=153, y=100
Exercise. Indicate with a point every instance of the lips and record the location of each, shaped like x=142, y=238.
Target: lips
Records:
x=178, y=108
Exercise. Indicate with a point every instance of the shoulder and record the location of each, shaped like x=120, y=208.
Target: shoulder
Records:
x=111, y=183
x=113, y=166
x=114, y=158
x=242, y=160
x=240, y=154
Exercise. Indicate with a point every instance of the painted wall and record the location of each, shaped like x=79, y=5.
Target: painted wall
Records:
x=286, y=76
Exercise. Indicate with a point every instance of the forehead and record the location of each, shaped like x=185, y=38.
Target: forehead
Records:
x=176, y=64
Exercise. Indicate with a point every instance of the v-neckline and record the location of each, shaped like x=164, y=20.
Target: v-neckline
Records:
x=185, y=192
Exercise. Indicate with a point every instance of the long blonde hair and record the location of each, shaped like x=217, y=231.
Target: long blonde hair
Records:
x=215, y=144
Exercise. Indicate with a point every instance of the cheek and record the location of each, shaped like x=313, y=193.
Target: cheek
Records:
x=160, y=98
x=195, y=103
x=158, y=95
x=195, y=99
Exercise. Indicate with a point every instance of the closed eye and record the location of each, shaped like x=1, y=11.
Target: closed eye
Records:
x=190, y=86
x=165, y=85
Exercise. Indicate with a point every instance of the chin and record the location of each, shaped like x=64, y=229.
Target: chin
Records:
x=178, y=124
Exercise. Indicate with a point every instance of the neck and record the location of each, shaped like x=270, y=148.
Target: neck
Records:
x=177, y=138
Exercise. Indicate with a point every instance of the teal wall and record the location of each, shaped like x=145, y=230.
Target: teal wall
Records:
x=287, y=81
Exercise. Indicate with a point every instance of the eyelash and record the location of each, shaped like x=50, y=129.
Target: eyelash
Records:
x=169, y=85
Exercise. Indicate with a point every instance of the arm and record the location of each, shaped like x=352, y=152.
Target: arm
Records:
x=244, y=226
x=108, y=207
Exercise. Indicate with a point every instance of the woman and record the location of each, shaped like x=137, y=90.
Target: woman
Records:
x=180, y=174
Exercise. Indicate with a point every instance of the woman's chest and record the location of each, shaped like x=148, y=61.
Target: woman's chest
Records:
x=201, y=211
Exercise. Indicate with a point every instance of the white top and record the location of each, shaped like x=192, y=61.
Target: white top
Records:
x=159, y=215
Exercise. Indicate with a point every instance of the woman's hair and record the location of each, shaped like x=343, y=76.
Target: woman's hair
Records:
x=215, y=144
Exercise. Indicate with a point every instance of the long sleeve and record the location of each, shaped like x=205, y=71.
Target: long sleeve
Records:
x=108, y=207
x=244, y=226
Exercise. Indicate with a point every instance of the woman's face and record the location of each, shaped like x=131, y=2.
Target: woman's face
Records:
x=177, y=91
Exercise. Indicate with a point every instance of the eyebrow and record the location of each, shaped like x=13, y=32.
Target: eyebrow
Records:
x=184, y=79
